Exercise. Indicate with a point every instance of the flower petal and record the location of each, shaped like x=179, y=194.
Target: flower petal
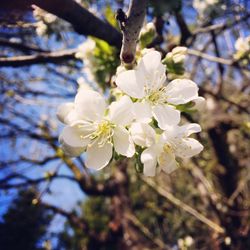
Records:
x=71, y=141
x=121, y=112
x=149, y=160
x=73, y=137
x=181, y=91
x=131, y=82
x=166, y=115
x=154, y=72
x=72, y=117
x=63, y=111
x=167, y=162
x=90, y=105
x=143, y=112
x=188, y=147
x=97, y=157
x=199, y=104
x=71, y=151
x=123, y=142
x=189, y=129
x=142, y=134
x=179, y=132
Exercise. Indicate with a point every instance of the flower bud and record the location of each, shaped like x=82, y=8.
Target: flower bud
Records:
x=147, y=35
x=63, y=111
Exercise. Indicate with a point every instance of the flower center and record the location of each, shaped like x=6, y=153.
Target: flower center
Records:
x=156, y=96
x=168, y=148
x=103, y=132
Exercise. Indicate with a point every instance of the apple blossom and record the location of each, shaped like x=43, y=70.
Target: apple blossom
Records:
x=174, y=62
x=85, y=50
x=147, y=35
x=47, y=21
x=162, y=149
x=142, y=94
x=90, y=129
x=199, y=104
x=147, y=84
x=178, y=54
x=242, y=46
x=208, y=7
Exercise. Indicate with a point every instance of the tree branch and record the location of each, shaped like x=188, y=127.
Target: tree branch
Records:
x=20, y=46
x=73, y=219
x=28, y=181
x=169, y=196
x=83, y=21
x=131, y=28
x=185, y=32
x=45, y=57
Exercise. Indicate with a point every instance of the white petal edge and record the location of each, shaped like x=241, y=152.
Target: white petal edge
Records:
x=98, y=157
x=190, y=128
x=121, y=112
x=150, y=61
x=90, y=105
x=71, y=151
x=152, y=69
x=143, y=134
x=178, y=132
x=71, y=143
x=123, y=142
x=188, y=147
x=181, y=91
x=199, y=104
x=166, y=116
x=149, y=160
x=71, y=136
x=167, y=162
x=142, y=112
x=131, y=82
x=63, y=110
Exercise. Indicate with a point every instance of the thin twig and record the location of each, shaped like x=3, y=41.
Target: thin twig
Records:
x=46, y=57
x=169, y=196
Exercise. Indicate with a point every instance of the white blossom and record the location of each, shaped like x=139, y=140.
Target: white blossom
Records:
x=178, y=54
x=64, y=110
x=90, y=129
x=41, y=14
x=147, y=28
x=100, y=130
x=162, y=150
x=47, y=20
x=83, y=84
x=199, y=104
x=85, y=50
x=242, y=46
x=41, y=28
x=147, y=83
x=206, y=7
x=85, y=53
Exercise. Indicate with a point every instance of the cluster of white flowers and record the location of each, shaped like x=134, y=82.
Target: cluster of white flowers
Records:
x=185, y=243
x=207, y=7
x=149, y=27
x=174, y=61
x=144, y=121
x=178, y=54
x=47, y=20
x=85, y=53
x=242, y=46
x=147, y=35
